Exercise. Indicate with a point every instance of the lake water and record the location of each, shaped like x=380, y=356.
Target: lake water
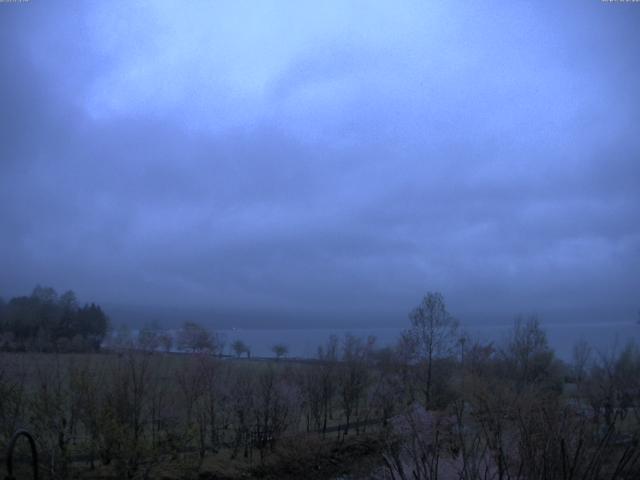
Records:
x=603, y=337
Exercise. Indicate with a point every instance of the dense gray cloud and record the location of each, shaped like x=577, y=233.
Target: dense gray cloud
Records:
x=323, y=163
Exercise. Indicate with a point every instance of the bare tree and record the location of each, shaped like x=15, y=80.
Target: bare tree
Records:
x=165, y=340
x=581, y=357
x=527, y=354
x=280, y=350
x=242, y=396
x=274, y=408
x=53, y=407
x=124, y=412
x=327, y=357
x=310, y=381
x=354, y=375
x=432, y=334
x=122, y=339
x=195, y=338
x=12, y=398
x=87, y=380
x=387, y=392
x=416, y=448
x=148, y=338
x=240, y=348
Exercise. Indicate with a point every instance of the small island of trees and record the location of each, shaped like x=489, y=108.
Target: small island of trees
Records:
x=47, y=322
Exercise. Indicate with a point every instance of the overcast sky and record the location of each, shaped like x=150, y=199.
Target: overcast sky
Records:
x=329, y=160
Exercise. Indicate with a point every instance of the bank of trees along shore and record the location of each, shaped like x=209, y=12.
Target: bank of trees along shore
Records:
x=45, y=321
x=431, y=407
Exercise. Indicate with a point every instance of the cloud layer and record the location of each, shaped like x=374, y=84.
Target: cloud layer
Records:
x=325, y=162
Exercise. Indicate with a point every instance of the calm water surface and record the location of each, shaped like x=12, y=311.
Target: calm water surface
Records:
x=603, y=337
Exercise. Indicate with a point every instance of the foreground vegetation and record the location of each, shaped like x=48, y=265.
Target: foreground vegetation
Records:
x=438, y=405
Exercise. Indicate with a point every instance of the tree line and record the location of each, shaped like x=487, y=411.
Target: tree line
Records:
x=46, y=322
x=439, y=404
x=191, y=337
